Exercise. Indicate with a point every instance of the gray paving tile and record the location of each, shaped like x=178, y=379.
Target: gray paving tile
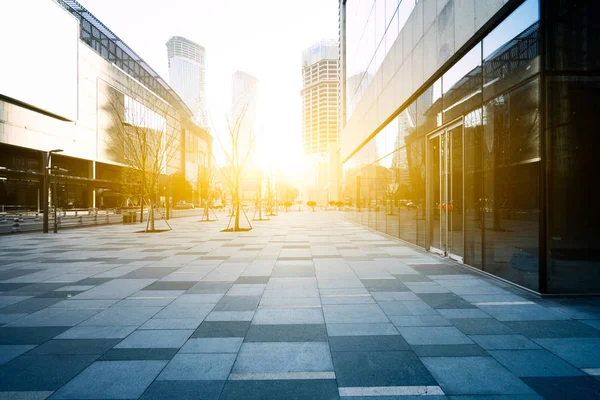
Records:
x=449, y=350
x=53, y=317
x=356, y=313
x=433, y=335
x=283, y=357
x=198, y=367
x=9, y=352
x=287, y=333
x=29, y=306
x=284, y=316
x=115, y=289
x=221, y=329
x=482, y=326
x=237, y=303
x=155, y=339
x=212, y=345
x=184, y=390
x=553, y=329
x=74, y=346
x=29, y=335
x=169, y=324
x=581, y=352
x=122, y=316
x=112, y=380
x=368, y=343
x=390, y=368
x=524, y=312
x=139, y=354
x=478, y=375
x=530, y=363
x=504, y=342
x=281, y=389
x=420, y=320
x=558, y=388
x=361, y=329
x=41, y=373
x=445, y=300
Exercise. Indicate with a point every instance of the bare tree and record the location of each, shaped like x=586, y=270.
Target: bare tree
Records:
x=207, y=183
x=143, y=135
x=237, y=157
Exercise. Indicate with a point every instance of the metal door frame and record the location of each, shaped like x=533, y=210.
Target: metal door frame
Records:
x=443, y=130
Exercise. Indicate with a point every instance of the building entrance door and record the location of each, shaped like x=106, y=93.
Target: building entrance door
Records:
x=445, y=192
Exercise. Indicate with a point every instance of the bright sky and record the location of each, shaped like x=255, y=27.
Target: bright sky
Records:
x=264, y=38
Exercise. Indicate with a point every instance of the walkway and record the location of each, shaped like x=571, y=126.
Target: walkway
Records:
x=305, y=306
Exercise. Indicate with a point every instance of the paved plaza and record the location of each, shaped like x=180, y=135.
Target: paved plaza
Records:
x=304, y=306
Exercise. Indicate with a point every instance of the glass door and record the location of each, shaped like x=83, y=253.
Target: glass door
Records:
x=445, y=159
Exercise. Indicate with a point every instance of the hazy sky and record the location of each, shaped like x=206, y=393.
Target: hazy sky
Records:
x=262, y=37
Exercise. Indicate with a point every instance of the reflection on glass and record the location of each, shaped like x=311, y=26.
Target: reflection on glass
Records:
x=511, y=185
x=429, y=106
x=522, y=18
x=462, y=84
x=473, y=131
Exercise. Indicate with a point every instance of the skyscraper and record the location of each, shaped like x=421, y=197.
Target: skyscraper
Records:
x=186, y=74
x=243, y=100
x=320, y=95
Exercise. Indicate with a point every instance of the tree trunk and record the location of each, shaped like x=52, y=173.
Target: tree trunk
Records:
x=236, y=227
x=151, y=216
x=142, y=209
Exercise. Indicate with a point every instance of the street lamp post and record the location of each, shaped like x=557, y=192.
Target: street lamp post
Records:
x=47, y=158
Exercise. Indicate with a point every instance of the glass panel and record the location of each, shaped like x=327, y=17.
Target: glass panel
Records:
x=455, y=192
x=511, y=185
x=474, y=206
x=462, y=84
x=436, y=175
x=511, y=51
x=429, y=107
x=573, y=42
x=573, y=214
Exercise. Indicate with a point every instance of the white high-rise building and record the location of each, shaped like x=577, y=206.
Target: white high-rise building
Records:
x=320, y=95
x=243, y=100
x=187, y=75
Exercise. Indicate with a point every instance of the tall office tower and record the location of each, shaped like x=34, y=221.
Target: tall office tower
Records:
x=186, y=75
x=320, y=95
x=243, y=100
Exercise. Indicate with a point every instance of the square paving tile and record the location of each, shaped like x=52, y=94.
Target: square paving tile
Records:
x=212, y=345
x=482, y=326
x=221, y=329
x=29, y=335
x=445, y=300
x=283, y=357
x=384, y=285
x=281, y=389
x=368, y=343
x=9, y=352
x=53, y=317
x=284, y=316
x=184, y=390
x=74, y=346
x=170, y=285
x=581, y=352
x=138, y=354
x=553, y=329
x=530, y=363
x=390, y=368
x=287, y=333
x=198, y=367
x=237, y=303
x=504, y=342
x=155, y=339
x=559, y=388
x=361, y=329
x=356, y=313
x=433, y=335
x=112, y=380
x=449, y=350
x=478, y=375
x=122, y=316
x=42, y=372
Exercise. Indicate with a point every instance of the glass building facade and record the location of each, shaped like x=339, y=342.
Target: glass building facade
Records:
x=487, y=162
